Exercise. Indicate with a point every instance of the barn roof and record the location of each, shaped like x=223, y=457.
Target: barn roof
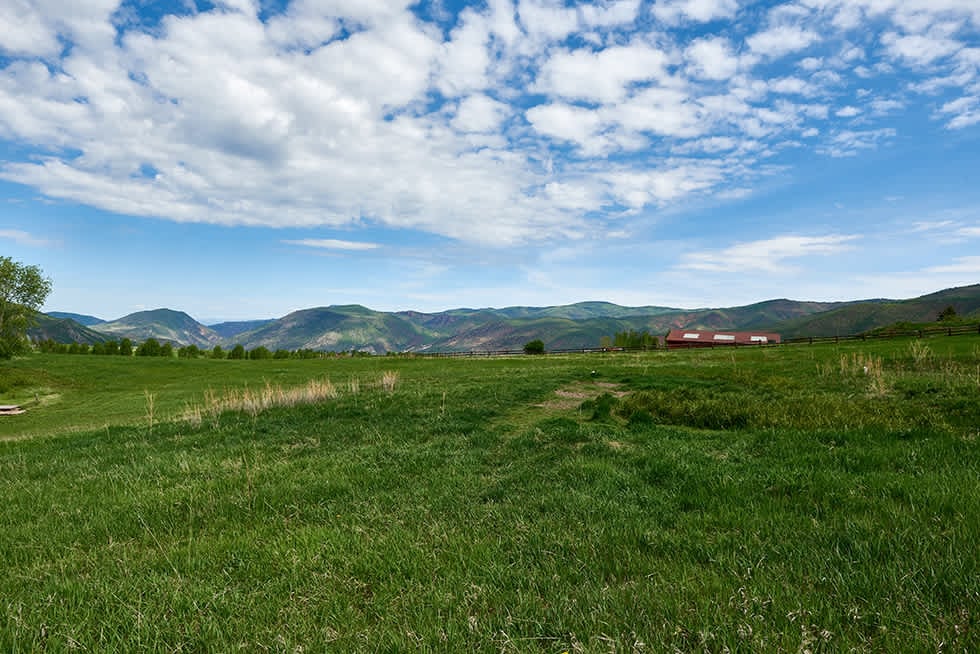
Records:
x=700, y=337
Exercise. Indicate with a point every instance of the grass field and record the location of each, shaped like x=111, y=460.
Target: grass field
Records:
x=795, y=499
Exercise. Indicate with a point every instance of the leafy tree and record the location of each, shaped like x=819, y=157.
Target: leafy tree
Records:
x=635, y=340
x=111, y=347
x=261, y=352
x=149, y=348
x=217, y=352
x=23, y=289
x=949, y=313
x=126, y=347
x=167, y=350
x=237, y=352
x=78, y=348
x=282, y=354
x=98, y=348
x=534, y=347
x=189, y=352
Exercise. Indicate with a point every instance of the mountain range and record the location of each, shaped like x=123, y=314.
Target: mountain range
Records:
x=582, y=325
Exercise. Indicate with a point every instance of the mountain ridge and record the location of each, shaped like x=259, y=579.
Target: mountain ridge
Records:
x=580, y=325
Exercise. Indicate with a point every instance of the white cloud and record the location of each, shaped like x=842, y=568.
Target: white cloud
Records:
x=479, y=113
x=961, y=265
x=333, y=244
x=780, y=41
x=712, y=58
x=848, y=143
x=602, y=76
x=338, y=113
x=23, y=238
x=767, y=255
x=918, y=49
x=609, y=13
x=564, y=121
x=700, y=11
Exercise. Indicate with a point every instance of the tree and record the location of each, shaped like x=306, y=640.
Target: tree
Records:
x=126, y=347
x=261, y=352
x=217, y=352
x=534, y=347
x=149, y=348
x=23, y=289
x=237, y=352
x=949, y=313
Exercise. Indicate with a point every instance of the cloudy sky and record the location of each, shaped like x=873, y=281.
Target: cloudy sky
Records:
x=245, y=158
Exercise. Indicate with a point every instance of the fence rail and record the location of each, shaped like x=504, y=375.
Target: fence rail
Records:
x=959, y=330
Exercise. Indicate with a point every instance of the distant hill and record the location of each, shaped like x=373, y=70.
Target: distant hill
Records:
x=64, y=330
x=81, y=319
x=339, y=329
x=230, y=329
x=860, y=317
x=581, y=325
x=165, y=325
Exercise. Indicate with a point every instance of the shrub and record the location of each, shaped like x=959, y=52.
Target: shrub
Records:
x=534, y=347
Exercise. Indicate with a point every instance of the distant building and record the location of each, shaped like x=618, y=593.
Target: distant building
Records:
x=678, y=338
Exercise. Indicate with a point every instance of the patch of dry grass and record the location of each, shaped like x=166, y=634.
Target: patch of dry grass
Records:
x=255, y=401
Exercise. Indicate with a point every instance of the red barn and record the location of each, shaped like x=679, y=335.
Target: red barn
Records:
x=678, y=338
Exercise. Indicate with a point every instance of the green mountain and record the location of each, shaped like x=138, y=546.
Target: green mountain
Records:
x=80, y=318
x=165, y=325
x=63, y=330
x=230, y=329
x=859, y=317
x=581, y=325
x=338, y=329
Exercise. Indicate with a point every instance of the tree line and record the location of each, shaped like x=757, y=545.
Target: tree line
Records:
x=151, y=347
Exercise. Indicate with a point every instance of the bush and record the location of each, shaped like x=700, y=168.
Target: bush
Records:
x=534, y=347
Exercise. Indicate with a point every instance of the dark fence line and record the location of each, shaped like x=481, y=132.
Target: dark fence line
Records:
x=959, y=330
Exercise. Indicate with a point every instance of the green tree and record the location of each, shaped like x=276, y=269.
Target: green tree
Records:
x=167, y=350
x=149, y=348
x=126, y=347
x=534, y=347
x=261, y=352
x=111, y=347
x=217, y=352
x=237, y=352
x=949, y=313
x=23, y=289
x=189, y=352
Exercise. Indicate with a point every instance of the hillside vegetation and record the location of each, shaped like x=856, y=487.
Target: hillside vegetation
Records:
x=807, y=498
x=576, y=326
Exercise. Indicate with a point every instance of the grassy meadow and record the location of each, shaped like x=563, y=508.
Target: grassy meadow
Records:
x=794, y=499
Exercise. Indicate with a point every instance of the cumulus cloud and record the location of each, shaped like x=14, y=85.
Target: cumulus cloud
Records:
x=700, y=11
x=480, y=125
x=781, y=40
x=768, y=255
x=333, y=244
x=24, y=238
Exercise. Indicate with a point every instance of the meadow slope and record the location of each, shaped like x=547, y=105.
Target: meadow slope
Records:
x=821, y=498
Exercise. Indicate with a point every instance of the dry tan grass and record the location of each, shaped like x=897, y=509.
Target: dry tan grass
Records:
x=389, y=379
x=253, y=402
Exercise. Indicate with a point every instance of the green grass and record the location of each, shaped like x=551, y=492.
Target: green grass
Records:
x=751, y=500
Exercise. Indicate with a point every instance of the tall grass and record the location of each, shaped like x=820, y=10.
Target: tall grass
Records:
x=255, y=401
x=743, y=501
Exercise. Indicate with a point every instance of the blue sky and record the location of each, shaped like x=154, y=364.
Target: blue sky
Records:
x=244, y=158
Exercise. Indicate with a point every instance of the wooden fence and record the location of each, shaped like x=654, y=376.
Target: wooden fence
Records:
x=959, y=330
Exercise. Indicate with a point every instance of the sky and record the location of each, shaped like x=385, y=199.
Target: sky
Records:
x=242, y=159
